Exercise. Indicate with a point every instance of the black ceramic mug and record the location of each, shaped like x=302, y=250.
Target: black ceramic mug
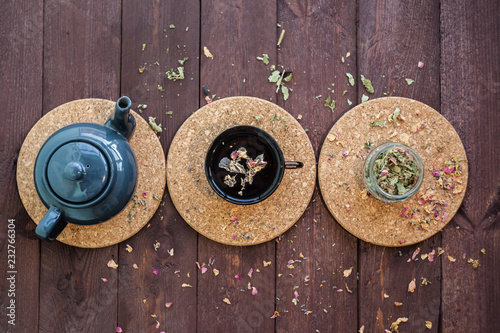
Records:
x=242, y=145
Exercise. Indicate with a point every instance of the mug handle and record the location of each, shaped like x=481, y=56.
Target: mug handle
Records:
x=293, y=165
x=51, y=225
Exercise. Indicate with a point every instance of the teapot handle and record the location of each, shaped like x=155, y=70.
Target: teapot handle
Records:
x=51, y=225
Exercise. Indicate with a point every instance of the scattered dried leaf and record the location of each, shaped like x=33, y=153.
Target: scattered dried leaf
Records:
x=207, y=52
x=112, y=264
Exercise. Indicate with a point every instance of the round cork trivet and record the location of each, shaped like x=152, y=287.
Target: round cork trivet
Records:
x=211, y=215
x=150, y=184
x=340, y=171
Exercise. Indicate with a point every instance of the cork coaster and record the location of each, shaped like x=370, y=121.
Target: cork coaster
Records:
x=340, y=177
x=151, y=177
x=216, y=218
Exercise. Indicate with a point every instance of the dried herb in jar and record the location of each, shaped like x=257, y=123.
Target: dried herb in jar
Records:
x=241, y=163
x=395, y=171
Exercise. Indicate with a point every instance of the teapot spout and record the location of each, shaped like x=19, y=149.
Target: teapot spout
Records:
x=121, y=120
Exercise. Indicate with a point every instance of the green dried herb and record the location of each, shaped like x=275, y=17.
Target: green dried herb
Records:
x=349, y=101
x=156, y=127
x=274, y=77
x=288, y=78
x=409, y=81
x=264, y=59
x=395, y=171
x=351, y=79
x=182, y=61
x=257, y=118
x=364, y=98
x=344, y=92
x=171, y=26
x=284, y=91
x=379, y=123
x=396, y=114
x=368, y=84
x=329, y=103
x=173, y=76
x=368, y=144
x=143, y=47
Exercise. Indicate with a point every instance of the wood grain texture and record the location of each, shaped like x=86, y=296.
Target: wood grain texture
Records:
x=21, y=99
x=470, y=76
x=318, y=34
x=81, y=59
x=235, y=33
x=142, y=294
x=392, y=39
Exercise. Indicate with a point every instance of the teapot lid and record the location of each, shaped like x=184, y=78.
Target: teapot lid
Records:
x=77, y=172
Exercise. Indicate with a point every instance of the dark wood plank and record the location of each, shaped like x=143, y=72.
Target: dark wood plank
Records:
x=318, y=34
x=81, y=60
x=148, y=23
x=392, y=39
x=470, y=76
x=21, y=99
x=235, y=33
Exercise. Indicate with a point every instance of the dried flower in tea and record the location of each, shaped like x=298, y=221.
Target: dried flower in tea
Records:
x=395, y=171
x=248, y=169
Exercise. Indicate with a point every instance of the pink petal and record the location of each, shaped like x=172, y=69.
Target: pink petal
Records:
x=204, y=270
x=238, y=276
x=403, y=212
x=155, y=271
x=250, y=272
x=420, y=64
x=436, y=173
x=449, y=169
x=119, y=330
x=234, y=219
x=234, y=237
x=421, y=201
x=169, y=304
x=249, y=286
x=384, y=172
x=431, y=255
x=295, y=294
x=345, y=153
x=254, y=291
x=198, y=264
x=415, y=253
x=444, y=216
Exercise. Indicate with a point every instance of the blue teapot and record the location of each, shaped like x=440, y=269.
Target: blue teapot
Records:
x=86, y=173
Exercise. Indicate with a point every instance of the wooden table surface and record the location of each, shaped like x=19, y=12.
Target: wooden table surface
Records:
x=55, y=51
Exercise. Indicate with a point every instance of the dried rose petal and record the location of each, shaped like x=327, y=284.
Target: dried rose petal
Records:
x=119, y=330
x=250, y=272
x=237, y=276
x=186, y=285
x=112, y=264
x=204, y=270
x=428, y=324
x=168, y=304
x=276, y=314
x=347, y=206
x=171, y=252
x=155, y=271
x=398, y=303
x=420, y=64
x=216, y=271
x=266, y=263
x=234, y=155
x=135, y=266
x=449, y=169
x=226, y=300
x=412, y=286
x=347, y=272
x=421, y=201
x=234, y=237
x=403, y=212
x=431, y=255
x=384, y=172
x=157, y=324
x=234, y=219
x=104, y=279
x=128, y=248
x=254, y=291
x=415, y=253
x=345, y=153
x=450, y=258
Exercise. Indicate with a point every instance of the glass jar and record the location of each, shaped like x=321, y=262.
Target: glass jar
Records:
x=369, y=176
